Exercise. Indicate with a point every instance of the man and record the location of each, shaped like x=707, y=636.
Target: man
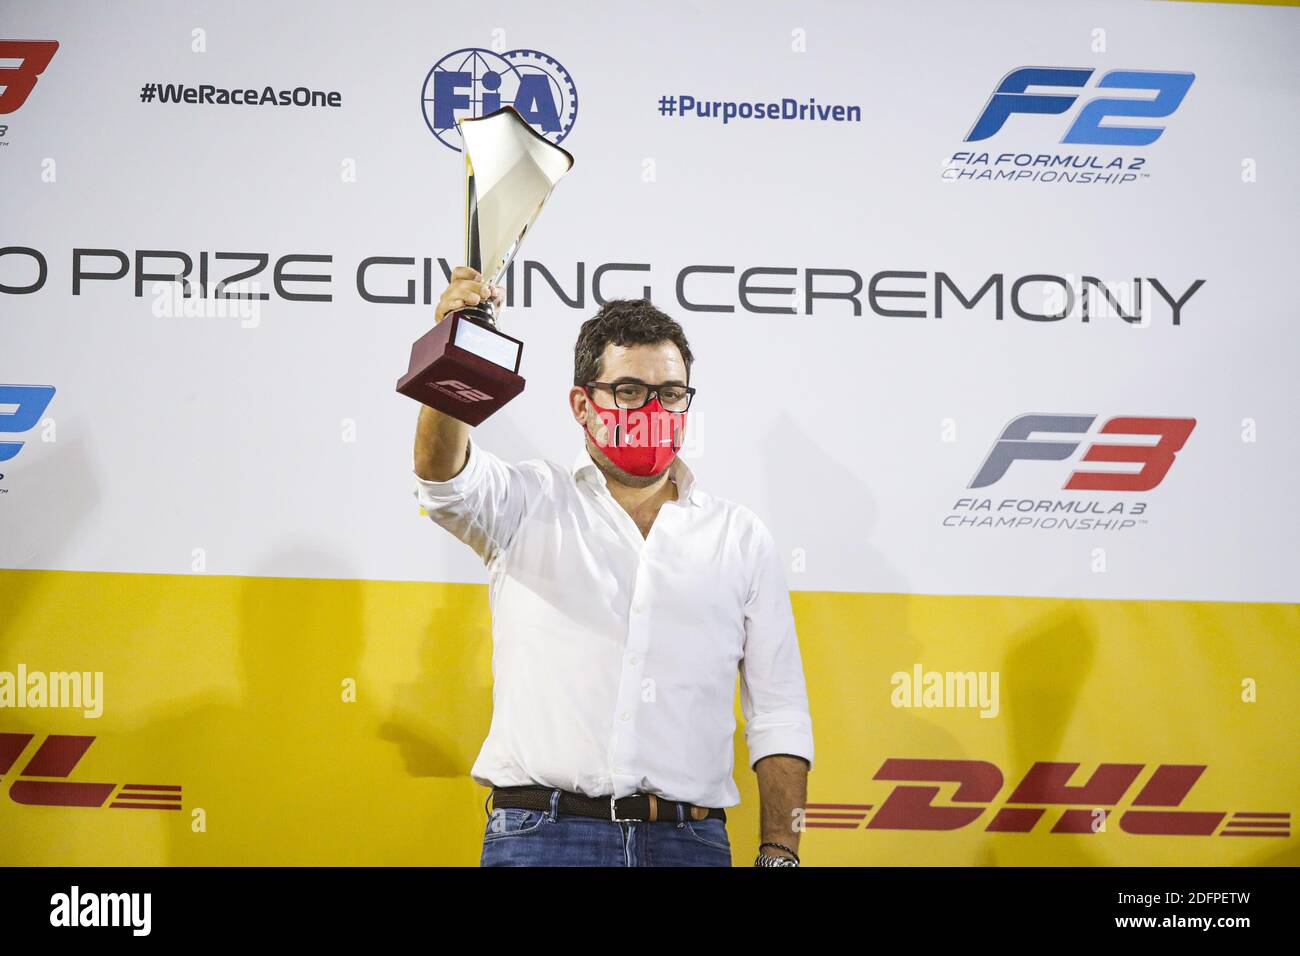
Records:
x=624, y=600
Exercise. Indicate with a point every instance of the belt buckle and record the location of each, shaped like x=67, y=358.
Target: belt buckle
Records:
x=613, y=812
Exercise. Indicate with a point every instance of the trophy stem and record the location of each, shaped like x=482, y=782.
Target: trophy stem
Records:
x=484, y=314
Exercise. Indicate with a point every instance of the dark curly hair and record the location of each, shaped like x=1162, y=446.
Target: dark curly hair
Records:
x=624, y=322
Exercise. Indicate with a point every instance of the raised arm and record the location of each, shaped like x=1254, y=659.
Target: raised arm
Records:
x=466, y=489
x=441, y=442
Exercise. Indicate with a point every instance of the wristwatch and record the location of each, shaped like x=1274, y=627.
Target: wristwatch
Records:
x=765, y=860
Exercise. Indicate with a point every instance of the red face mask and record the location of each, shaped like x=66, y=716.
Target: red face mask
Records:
x=642, y=441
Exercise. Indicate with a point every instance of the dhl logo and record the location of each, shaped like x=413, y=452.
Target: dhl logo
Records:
x=55, y=758
x=910, y=805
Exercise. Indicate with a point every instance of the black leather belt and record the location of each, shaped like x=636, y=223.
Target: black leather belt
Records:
x=637, y=806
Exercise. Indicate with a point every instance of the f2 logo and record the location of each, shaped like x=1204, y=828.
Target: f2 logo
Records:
x=466, y=393
x=28, y=403
x=1011, y=97
x=18, y=81
x=1015, y=444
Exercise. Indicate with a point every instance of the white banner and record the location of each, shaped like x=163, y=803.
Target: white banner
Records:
x=867, y=226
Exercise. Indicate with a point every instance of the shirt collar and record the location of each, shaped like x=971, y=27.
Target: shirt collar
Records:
x=679, y=471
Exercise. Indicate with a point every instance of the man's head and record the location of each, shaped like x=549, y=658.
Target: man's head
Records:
x=628, y=340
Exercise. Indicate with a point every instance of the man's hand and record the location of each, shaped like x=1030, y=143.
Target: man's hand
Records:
x=466, y=288
x=782, y=790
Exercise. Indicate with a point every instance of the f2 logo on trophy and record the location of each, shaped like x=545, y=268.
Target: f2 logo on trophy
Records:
x=460, y=390
x=464, y=367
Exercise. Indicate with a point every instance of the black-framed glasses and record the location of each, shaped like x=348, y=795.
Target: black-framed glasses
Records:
x=674, y=398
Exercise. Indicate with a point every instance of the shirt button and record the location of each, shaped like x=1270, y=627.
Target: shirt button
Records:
x=638, y=607
x=623, y=716
x=634, y=659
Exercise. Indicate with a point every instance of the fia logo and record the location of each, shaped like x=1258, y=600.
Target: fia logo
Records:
x=473, y=82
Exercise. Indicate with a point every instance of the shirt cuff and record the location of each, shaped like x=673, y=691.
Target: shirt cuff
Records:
x=454, y=486
x=785, y=732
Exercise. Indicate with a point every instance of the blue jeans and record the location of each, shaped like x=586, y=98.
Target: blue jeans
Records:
x=517, y=837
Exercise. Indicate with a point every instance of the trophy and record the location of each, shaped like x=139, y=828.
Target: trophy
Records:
x=464, y=367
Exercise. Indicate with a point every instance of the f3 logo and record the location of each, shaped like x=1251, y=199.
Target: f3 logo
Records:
x=1011, y=96
x=1015, y=444
x=18, y=81
x=28, y=404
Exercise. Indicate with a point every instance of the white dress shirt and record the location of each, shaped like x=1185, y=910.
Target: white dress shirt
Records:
x=615, y=656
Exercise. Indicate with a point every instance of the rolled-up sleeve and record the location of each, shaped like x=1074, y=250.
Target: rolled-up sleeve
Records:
x=773, y=694
x=484, y=503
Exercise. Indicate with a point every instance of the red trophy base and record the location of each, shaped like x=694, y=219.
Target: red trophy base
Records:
x=464, y=369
